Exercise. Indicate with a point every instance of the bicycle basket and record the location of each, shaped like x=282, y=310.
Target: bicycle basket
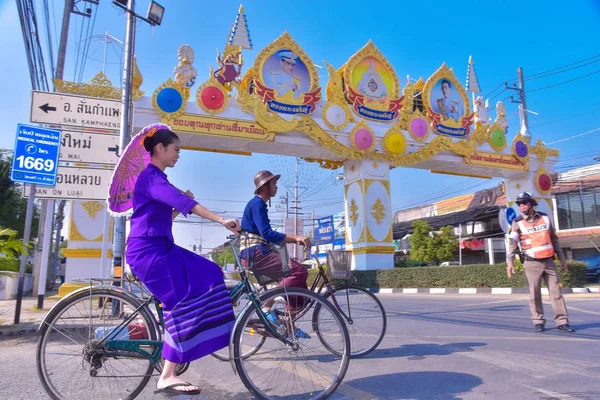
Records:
x=339, y=263
x=266, y=274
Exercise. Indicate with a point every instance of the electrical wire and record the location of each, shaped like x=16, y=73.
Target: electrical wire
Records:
x=561, y=67
x=574, y=136
x=560, y=72
x=563, y=83
x=564, y=119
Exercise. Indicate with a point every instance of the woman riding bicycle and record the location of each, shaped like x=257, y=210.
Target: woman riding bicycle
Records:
x=260, y=234
x=197, y=308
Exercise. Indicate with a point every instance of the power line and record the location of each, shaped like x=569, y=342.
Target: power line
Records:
x=565, y=118
x=560, y=72
x=561, y=67
x=574, y=136
x=565, y=82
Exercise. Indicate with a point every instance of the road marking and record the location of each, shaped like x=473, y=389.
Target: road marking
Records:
x=534, y=365
x=537, y=337
x=550, y=393
x=432, y=311
x=581, y=310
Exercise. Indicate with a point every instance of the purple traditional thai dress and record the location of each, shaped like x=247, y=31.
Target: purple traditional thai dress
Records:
x=197, y=308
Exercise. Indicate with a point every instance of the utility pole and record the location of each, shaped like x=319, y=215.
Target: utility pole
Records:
x=64, y=34
x=46, y=223
x=120, y=222
x=521, y=101
x=296, y=211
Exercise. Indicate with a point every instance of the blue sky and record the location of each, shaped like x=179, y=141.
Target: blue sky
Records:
x=416, y=37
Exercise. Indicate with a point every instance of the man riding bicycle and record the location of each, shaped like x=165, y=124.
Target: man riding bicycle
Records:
x=265, y=261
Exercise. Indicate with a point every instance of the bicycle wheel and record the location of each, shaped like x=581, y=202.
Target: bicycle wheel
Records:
x=367, y=321
x=71, y=361
x=179, y=369
x=303, y=370
x=223, y=354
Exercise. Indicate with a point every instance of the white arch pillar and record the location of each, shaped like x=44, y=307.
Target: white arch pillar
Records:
x=369, y=214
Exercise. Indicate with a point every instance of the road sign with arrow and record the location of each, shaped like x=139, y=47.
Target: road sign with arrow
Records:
x=85, y=147
x=76, y=111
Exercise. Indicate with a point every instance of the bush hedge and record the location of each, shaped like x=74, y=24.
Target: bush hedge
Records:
x=465, y=276
x=13, y=265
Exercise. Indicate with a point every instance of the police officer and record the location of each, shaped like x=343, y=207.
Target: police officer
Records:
x=534, y=232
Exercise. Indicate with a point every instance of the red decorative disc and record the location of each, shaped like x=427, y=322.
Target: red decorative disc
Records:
x=545, y=182
x=212, y=98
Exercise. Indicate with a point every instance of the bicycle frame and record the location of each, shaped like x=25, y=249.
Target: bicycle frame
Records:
x=135, y=346
x=317, y=287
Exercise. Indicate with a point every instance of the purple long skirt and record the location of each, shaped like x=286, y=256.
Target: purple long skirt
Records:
x=197, y=308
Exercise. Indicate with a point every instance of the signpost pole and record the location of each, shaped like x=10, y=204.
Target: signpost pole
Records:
x=120, y=222
x=43, y=272
x=26, y=234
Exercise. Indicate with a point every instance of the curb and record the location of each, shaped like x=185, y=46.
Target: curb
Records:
x=474, y=290
x=19, y=330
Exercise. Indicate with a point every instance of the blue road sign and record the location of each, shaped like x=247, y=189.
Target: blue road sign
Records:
x=511, y=214
x=35, y=159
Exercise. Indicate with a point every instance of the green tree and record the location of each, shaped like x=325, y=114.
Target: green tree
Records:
x=222, y=256
x=430, y=246
x=10, y=246
x=13, y=206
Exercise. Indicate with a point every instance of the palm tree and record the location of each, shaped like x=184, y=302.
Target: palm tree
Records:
x=9, y=245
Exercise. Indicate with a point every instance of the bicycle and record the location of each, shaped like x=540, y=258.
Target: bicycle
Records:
x=347, y=297
x=119, y=354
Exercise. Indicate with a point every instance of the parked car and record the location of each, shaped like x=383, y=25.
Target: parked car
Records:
x=592, y=272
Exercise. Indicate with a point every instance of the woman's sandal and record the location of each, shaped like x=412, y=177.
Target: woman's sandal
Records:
x=170, y=390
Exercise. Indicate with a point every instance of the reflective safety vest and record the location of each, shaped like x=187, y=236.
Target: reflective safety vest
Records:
x=535, y=238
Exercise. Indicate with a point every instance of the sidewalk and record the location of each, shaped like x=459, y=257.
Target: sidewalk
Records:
x=30, y=317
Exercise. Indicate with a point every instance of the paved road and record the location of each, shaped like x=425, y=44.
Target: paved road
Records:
x=439, y=347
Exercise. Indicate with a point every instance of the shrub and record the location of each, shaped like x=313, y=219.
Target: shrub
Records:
x=13, y=265
x=465, y=276
x=474, y=276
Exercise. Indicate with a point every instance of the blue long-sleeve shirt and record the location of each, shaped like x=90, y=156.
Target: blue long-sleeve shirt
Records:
x=256, y=220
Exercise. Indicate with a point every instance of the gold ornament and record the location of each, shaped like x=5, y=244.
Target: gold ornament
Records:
x=326, y=164
x=542, y=152
x=92, y=208
x=353, y=211
x=100, y=86
x=378, y=211
x=335, y=97
x=85, y=253
x=374, y=250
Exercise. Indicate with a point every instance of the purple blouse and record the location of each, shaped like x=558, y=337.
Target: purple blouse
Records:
x=154, y=199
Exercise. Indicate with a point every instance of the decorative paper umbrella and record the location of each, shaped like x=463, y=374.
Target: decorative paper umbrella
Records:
x=133, y=160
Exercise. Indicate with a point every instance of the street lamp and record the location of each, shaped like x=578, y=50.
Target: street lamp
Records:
x=155, y=15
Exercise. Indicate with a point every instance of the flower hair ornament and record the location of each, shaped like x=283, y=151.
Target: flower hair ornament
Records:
x=150, y=130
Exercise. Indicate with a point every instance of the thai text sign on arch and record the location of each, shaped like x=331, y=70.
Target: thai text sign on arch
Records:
x=220, y=127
